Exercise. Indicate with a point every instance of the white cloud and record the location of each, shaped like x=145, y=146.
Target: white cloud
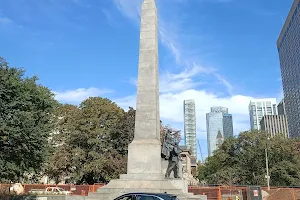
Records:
x=4, y=21
x=171, y=107
x=78, y=95
x=181, y=81
x=175, y=88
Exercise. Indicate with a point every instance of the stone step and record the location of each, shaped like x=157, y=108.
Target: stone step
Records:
x=121, y=186
x=108, y=194
x=130, y=190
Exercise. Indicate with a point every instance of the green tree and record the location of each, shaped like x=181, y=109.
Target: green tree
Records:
x=26, y=121
x=241, y=161
x=98, y=119
x=92, y=141
x=123, y=137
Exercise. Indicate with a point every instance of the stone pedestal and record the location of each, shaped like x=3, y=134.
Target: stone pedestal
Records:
x=123, y=185
x=144, y=157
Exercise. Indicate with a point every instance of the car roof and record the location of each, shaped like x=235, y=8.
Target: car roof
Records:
x=163, y=195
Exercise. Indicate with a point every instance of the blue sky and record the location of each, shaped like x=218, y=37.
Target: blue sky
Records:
x=218, y=52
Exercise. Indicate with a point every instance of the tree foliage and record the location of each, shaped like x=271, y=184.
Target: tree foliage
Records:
x=26, y=120
x=92, y=141
x=242, y=161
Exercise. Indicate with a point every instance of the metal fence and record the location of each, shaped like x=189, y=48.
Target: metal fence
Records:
x=230, y=193
x=212, y=192
x=82, y=190
x=277, y=193
x=220, y=193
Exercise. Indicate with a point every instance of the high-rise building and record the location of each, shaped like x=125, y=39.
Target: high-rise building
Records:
x=275, y=125
x=259, y=108
x=288, y=47
x=219, y=127
x=190, y=126
x=281, y=108
x=227, y=125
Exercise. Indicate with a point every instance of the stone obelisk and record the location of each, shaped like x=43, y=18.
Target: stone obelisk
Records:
x=144, y=153
x=144, y=171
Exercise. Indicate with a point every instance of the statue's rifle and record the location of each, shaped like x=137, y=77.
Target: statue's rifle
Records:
x=174, y=145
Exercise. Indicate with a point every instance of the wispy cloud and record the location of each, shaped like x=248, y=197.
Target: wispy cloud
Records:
x=184, y=80
x=225, y=83
x=130, y=8
x=109, y=17
x=7, y=24
x=82, y=3
x=4, y=21
x=170, y=43
x=78, y=95
x=170, y=37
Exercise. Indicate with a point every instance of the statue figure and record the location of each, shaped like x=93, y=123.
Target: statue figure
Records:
x=171, y=152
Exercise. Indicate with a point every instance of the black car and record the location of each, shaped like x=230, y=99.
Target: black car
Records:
x=147, y=196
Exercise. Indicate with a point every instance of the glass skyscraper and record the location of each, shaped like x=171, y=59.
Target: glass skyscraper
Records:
x=227, y=125
x=281, y=108
x=259, y=108
x=218, y=126
x=190, y=126
x=288, y=46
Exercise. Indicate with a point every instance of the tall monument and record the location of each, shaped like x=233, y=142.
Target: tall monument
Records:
x=144, y=152
x=144, y=169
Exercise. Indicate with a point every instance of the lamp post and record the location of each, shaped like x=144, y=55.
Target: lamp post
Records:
x=267, y=165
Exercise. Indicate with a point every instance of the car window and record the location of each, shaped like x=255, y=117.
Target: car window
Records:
x=144, y=197
x=127, y=197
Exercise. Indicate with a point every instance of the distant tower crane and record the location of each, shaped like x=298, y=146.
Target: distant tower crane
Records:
x=200, y=151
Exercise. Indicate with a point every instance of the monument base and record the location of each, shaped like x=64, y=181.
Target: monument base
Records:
x=134, y=183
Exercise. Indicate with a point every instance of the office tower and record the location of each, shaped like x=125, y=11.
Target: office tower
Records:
x=190, y=126
x=227, y=125
x=281, y=108
x=259, y=108
x=274, y=125
x=288, y=47
x=219, y=127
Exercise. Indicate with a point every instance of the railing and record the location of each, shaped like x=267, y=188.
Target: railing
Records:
x=212, y=192
x=82, y=190
x=230, y=192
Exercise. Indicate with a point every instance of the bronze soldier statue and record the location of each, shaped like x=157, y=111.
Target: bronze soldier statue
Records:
x=171, y=152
